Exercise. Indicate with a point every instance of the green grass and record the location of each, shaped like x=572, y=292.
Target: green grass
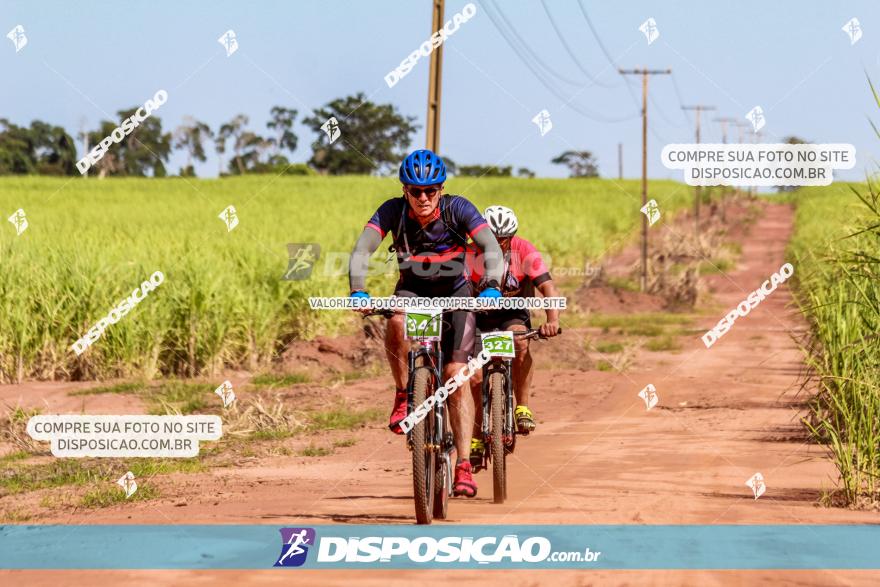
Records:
x=663, y=343
x=316, y=451
x=604, y=366
x=16, y=516
x=343, y=417
x=609, y=347
x=838, y=287
x=181, y=396
x=623, y=283
x=14, y=456
x=272, y=380
x=57, y=473
x=716, y=266
x=22, y=478
x=134, y=387
x=272, y=434
x=345, y=443
x=223, y=304
x=166, y=396
x=107, y=496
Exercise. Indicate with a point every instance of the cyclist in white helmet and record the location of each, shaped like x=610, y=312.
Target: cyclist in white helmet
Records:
x=524, y=271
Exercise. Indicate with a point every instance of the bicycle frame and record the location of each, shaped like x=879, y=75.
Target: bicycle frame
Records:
x=434, y=361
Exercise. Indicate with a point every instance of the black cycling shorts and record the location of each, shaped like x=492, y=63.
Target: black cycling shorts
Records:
x=502, y=319
x=459, y=329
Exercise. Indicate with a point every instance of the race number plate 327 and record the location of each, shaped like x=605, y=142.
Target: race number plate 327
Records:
x=424, y=324
x=498, y=344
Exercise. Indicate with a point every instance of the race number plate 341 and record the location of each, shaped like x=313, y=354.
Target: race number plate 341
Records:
x=424, y=324
x=498, y=344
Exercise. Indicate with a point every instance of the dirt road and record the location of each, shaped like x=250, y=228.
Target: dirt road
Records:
x=598, y=457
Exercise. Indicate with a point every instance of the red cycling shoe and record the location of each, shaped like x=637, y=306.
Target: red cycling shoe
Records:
x=464, y=480
x=398, y=414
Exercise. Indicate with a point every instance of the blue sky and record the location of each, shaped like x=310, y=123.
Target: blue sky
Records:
x=84, y=61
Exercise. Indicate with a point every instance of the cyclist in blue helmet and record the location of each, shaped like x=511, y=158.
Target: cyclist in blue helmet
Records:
x=431, y=231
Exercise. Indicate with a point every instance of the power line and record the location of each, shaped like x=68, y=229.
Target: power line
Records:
x=547, y=83
x=628, y=83
x=571, y=53
x=678, y=92
x=605, y=51
x=663, y=114
x=530, y=51
x=596, y=36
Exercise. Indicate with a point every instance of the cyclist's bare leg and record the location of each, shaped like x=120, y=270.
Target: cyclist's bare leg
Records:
x=522, y=366
x=461, y=412
x=476, y=383
x=396, y=349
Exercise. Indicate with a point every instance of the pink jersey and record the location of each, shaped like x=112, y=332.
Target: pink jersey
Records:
x=524, y=268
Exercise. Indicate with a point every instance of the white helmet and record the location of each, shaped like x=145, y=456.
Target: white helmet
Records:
x=501, y=220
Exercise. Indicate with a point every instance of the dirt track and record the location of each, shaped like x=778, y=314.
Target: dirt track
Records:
x=598, y=456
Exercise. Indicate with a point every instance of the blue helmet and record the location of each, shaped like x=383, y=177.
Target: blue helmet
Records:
x=422, y=167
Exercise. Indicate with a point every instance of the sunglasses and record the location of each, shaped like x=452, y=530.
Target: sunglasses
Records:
x=417, y=192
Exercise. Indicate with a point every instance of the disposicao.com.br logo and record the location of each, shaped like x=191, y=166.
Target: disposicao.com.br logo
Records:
x=295, y=544
x=412, y=551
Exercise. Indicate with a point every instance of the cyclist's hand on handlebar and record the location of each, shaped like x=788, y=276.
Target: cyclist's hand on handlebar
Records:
x=549, y=329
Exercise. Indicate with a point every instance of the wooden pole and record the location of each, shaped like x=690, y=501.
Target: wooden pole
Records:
x=699, y=108
x=619, y=160
x=644, y=73
x=724, y=122
x=435, y=75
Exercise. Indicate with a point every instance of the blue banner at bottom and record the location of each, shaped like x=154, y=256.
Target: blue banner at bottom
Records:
x=439, y=547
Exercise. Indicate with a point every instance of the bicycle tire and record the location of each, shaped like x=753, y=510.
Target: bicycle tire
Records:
x=499, y=457
x=422, y=435
x=442, y=479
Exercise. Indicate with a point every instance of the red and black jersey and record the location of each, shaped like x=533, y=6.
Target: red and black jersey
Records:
x=434, y=251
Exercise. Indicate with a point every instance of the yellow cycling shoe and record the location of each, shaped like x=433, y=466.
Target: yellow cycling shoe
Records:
x=525, y=420
x=478, y=450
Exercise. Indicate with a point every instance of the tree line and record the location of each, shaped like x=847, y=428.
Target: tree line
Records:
x=374, y=138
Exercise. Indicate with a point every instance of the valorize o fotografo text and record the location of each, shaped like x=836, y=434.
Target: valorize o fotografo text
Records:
x=448, y=303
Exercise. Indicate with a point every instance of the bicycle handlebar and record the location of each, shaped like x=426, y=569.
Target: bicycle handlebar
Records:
x=534, y=333
x=529, y=334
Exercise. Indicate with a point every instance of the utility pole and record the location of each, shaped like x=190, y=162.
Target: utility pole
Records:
x=84, y=134
x=740, y=126
x=644, y=72
x=619, y=160
x=725, y=120
x=699, y=108
x=435, y=75
x=756, y=138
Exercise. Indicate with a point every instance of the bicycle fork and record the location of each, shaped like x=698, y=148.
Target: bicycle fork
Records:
x=505, y=367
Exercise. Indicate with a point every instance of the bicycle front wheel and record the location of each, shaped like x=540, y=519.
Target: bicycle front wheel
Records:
x=423, y=453
x=499, y=455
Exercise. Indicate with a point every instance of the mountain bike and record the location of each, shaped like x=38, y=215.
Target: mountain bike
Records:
x=430, y=440
x=499, y=430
